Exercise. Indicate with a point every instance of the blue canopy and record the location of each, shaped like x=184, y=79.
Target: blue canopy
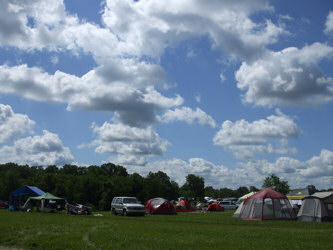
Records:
x=22, y=191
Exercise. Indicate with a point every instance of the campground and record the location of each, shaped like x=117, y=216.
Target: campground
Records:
x=185, y=230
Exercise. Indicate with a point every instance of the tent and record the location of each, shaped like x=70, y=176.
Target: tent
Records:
x=317, y=207
x=215, y=207
x=184, y=206
x=159, y=206
x=16, y=197
x=47, y=199
x=267, y=204
x=241, y=202
x=238, y=210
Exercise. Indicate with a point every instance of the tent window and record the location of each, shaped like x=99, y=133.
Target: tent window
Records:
x=329, y=209
x=268, y=208
x=309, y=207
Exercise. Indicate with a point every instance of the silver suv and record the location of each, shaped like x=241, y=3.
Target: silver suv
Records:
x=127, y=206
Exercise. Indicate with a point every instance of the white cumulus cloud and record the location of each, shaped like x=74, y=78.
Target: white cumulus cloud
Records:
x=329, y=23
x=12, y=124
x=289, y=77
x=189, y=116
x=131, y=144
x=244, y=138
x=43, y=150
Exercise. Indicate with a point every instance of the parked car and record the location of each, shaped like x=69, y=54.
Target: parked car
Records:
x=127, y=206
x=4, y=204
x=228, y=205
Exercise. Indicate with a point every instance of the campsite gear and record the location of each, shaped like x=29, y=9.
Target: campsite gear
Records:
x=159, y=206
x=18, y=196
x=317, y=207
x=215, y=207
x=78, y=209
x=267, y=204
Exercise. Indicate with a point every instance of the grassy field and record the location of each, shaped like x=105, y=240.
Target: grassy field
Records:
x=183, y=231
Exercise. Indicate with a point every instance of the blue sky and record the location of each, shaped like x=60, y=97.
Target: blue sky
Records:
x=232, y=91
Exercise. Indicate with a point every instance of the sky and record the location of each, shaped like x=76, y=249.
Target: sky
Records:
x=232, y=91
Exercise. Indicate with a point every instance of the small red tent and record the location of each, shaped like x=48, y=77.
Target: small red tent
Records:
x=159, y=206
x=267, y=204
x=184, y=206
x=214, y=207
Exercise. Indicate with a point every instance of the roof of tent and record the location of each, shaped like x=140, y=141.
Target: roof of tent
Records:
x=246, y=196
x=27, y=190
x=46, y=196
x=320, y=195
x=268, y=193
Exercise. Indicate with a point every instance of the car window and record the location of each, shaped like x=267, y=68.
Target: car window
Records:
x=130, y=200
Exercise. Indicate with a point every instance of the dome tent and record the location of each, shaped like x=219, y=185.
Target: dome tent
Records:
x=184, y=206
x=215, y=207
x=267, y=204
x=160, y=206
x=317, y=207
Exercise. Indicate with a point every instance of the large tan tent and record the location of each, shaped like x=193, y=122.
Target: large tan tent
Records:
x=317, y=207
x=267, y=204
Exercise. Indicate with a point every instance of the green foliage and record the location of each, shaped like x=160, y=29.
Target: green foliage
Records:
x=274, y=182
x=194, y=187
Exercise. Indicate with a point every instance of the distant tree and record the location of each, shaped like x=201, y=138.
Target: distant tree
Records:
x=211, y=192
x=194, y=187
x=225, y=192
x=241, y=191
x=274, y=182
x=112, y=169
x=312, y=189
x=253, y=189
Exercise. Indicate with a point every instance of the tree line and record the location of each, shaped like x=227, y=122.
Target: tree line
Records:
x=95, y=186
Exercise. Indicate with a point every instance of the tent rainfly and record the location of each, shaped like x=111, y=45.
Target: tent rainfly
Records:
x=317, y=207
x=267, y=204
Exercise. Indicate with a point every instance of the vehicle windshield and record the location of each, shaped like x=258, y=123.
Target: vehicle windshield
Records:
x=130, y=200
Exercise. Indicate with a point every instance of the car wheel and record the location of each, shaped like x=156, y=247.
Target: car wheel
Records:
x=124, y=212
x=114, y=212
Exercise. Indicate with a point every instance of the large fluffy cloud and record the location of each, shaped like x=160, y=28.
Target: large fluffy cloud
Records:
x=43, y=150
x=244, y=138
x=289, y=77
x=122, y=86
x=131, y=144
x=150, y=26
x=13, y=125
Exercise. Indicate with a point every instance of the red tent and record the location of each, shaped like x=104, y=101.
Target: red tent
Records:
x=267, y=204
x=159, y=206
x=184, y=206
x=214, y=207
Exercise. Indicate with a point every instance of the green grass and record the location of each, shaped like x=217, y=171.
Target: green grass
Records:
x=185, y=231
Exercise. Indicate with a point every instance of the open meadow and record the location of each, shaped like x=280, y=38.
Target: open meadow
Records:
x=185, y=230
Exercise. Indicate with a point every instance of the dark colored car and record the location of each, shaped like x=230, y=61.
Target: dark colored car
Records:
x=4, y=204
